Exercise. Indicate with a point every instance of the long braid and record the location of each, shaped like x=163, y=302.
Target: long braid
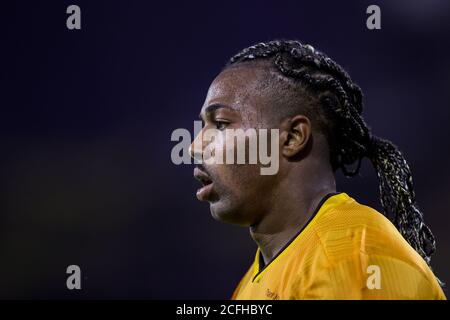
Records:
x=341, y=100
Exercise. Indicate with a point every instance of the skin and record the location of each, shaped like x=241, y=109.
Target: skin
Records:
x=274, y=207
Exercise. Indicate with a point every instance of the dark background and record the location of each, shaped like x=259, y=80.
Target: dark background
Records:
x=86, y=117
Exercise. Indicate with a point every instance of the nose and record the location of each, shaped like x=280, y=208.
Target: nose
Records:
x=196, y=148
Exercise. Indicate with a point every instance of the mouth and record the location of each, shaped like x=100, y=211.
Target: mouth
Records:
x=207, y=184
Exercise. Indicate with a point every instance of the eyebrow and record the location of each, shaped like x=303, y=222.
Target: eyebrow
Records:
x=211, y=109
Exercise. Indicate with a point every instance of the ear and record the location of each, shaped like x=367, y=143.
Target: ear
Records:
x=296, y=132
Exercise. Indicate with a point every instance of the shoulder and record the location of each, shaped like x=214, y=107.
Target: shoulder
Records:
x=350, y=227
x=357, y=241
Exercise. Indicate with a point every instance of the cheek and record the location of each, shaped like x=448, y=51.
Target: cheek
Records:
x=240, y=180
x=236, y=180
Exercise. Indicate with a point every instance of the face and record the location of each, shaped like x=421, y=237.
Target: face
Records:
x=235, y=192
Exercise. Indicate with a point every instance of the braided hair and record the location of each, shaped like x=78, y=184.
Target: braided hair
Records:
x=350, y=139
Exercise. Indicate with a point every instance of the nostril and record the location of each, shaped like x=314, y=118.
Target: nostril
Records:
x=206, y=181
x=195, y=154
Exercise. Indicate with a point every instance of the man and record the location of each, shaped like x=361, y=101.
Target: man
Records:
x=313, y=242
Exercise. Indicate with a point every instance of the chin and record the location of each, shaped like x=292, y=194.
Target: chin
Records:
x=223, y=212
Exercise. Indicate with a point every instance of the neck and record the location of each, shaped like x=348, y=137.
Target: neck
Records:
x=290, y=211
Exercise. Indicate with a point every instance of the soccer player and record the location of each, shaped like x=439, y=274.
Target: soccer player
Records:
x=313, y=241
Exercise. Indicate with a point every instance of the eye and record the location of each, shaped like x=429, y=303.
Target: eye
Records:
x=221, y=125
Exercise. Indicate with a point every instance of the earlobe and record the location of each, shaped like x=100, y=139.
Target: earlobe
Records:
x=295, y=136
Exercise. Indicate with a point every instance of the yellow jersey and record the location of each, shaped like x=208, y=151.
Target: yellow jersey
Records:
x=346, y=251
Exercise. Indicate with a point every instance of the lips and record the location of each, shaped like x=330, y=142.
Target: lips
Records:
x=207, y=184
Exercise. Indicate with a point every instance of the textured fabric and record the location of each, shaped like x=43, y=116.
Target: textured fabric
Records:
x=347, y=251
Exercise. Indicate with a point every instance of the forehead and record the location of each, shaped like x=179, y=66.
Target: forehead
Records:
x=238, y=88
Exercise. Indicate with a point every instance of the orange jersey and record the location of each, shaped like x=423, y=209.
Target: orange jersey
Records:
x=346, y=251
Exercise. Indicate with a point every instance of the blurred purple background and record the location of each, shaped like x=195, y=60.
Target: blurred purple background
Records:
x=86, y=118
